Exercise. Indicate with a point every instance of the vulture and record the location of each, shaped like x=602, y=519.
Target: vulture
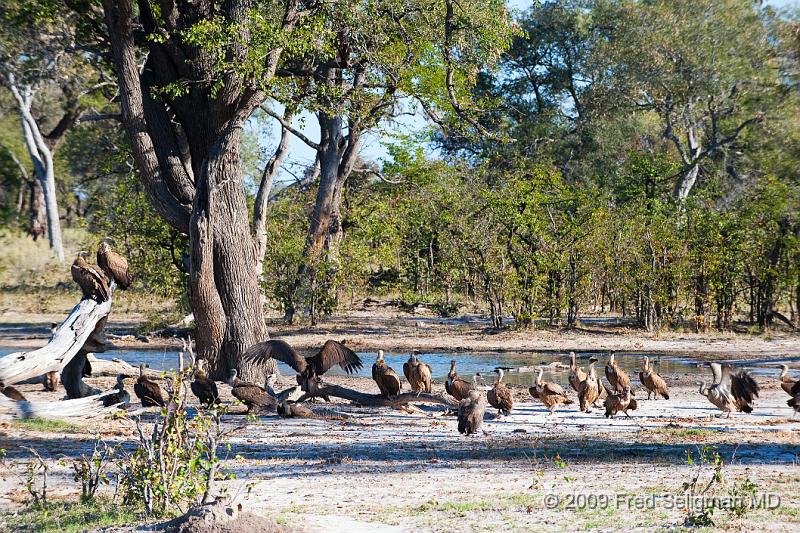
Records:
x=119, y=397
x=589, y=388
x=622, y=401
x=616, y=376
x=148, y=390
x=455, y=386
x=471, y=409
x=50, y=380
x=387, y=379
x=550, y=394
x=13, y=393
x=113, y=264
x=204, y=388
x=786, y=382
x=500, y=396
x=730, y=391
x=794, y=402
x=252, y=395
x=576, y=375
x=308, y=368
x=654, y=383
x=418, y=374
x=90, y=279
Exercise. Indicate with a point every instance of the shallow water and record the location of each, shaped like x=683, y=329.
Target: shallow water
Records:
x=486, y=362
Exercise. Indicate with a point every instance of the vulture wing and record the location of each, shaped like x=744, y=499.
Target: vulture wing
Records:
x=335, y=353
x=743, y=387
x=278, y=350
x=554, y=388
x=796, y=388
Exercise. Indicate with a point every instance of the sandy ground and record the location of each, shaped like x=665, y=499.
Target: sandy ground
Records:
x=381, y=469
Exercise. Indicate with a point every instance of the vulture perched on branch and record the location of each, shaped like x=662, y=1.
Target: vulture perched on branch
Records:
x=730, y=391
x=148, y=391
x=654, y=383
x=418, y=374
x=90, y=279
x=113, y=264
x=204, y=388
x=500, y=396
x=387, y=379
x=308, y=368
x=255, y=397
x=455, y=386
x=471, y=409
x=615, y=375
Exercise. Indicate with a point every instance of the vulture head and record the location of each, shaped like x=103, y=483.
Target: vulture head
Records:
x=233, y=377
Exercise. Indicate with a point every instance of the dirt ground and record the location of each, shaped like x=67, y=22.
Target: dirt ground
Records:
x=383, y=469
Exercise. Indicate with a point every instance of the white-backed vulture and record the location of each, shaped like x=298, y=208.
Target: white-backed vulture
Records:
x=89, y=278
x=387, y=379
x=500, y=396
x=576, y=374
x=621, y=401
x=148, y=391
x=654, y=383
x=204, y=388
x=550, y=394
x=255, y=397
x=589, y=388
x=786, y=382
x=455, y=386
x=471, y=409
x=308, y=369
x=730, y=391
x=113, y=264
x=615, y=375
x=418, y=374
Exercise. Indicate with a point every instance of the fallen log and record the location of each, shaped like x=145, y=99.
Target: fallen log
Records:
x=376, y=400
x=83, y=408
x=65, y=343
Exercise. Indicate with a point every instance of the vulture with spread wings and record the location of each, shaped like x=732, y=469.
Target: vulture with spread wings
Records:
x=308, y=368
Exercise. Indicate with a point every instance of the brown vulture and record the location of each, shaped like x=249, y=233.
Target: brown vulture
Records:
x=255, y=397
x=12, y=393
x=418, y=374
x=471, y=409
x=308, y=368
x=90, y=279
x=654, y=383
x=455, y=386
x=113, y=264
x=621, y=401
x=576, y=374
x=204, y=388
x=730, y=391
x=50, y=380
x=148, y=390
x=387, y=379
x=794, y=402
x=589, y=388
x=500, y=396
x=616, y=376
x=119, y=397
x=550, y=394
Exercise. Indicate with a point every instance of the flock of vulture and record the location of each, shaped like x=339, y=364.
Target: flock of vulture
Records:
x=730, y=390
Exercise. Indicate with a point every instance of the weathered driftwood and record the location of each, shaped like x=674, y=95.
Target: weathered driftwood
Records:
x=114, y=367
x=375, y=400
x=65, y=343
x=83, y=408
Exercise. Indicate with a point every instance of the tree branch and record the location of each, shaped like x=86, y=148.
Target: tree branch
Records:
x=287, y=125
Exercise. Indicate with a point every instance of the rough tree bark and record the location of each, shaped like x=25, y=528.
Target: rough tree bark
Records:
x=186, y=147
